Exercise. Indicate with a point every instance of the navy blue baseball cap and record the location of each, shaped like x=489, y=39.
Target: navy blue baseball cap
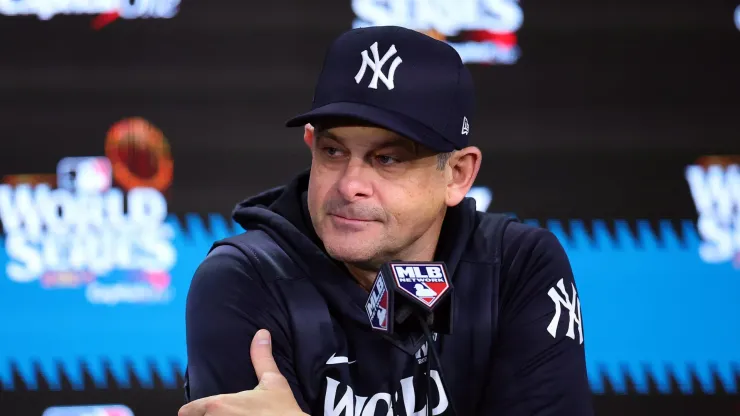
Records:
x=398, y=79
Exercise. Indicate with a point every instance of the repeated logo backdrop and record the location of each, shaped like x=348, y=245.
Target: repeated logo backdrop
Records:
x=128, y=131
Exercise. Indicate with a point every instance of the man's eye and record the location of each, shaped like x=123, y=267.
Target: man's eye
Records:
x=386, y=160
x=331, y=151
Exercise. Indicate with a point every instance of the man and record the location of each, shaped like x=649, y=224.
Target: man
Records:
x=391, y=165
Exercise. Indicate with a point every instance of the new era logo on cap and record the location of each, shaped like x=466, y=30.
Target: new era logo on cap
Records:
x=465, y=127
x=398, y=79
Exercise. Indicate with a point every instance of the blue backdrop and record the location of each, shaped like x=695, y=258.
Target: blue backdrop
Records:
x=653, y=312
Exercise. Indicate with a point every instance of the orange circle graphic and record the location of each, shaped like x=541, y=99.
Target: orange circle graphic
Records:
x=139, y=154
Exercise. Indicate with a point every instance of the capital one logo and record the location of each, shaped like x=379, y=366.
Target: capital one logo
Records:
x=376, y=64
x=107, y=10
x=572, y=304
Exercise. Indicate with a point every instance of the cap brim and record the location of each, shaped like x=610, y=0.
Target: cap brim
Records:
x=398, y=123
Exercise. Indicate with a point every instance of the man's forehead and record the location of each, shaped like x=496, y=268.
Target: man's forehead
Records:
x=373, y=135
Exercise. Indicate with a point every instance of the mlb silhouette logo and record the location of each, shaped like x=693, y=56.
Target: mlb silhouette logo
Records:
x=377, y=305
x=424, y=282
x=85, y=174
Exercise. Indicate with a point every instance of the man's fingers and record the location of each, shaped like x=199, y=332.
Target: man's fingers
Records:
x=261, y=352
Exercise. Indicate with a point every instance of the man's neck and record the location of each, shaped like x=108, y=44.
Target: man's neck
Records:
x=363, y=276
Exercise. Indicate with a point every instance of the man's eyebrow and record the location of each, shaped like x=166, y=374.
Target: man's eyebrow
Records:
x=397, y=141
x=325, y=134
x=402, y=143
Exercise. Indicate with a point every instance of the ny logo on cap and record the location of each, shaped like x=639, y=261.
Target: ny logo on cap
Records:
x=376, y=64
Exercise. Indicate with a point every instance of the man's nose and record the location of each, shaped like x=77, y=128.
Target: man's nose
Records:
x=355, y=181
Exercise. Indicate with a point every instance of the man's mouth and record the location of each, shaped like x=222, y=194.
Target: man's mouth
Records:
x=341, y=217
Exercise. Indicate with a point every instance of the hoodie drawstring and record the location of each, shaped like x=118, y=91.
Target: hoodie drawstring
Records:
x=430, y=344
x=432, y=353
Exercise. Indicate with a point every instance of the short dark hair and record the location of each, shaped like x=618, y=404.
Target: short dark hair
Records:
x=442, y=159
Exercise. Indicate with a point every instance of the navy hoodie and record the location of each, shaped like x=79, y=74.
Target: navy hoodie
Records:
x=516, y=348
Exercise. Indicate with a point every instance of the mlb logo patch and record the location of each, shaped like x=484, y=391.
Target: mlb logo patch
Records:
x=377, y=305
x=424, y=282
x=85, y=174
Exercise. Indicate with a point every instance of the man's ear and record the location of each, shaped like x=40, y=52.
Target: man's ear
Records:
x=463, y=168
x=308, y=135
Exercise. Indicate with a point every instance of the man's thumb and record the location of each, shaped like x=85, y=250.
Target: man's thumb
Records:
x=261, y=352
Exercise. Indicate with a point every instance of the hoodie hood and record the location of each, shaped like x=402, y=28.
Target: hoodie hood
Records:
x=282, y=213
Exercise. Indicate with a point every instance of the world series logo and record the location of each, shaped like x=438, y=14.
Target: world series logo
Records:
x=82, y=232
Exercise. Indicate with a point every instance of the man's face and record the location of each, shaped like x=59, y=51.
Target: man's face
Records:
x=374, y=196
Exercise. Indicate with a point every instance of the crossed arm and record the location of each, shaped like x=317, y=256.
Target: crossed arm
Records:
x=231, y=369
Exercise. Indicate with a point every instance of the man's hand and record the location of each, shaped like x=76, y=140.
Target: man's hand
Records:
x=271, y=397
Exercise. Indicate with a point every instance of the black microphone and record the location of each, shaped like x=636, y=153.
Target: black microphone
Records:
x=405, y=294
x=409, y=301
